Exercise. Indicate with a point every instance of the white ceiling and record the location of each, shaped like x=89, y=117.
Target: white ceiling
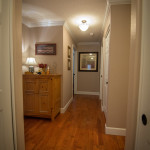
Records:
x=38, y=13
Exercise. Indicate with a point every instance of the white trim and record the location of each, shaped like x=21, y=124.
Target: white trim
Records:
x=115, y=131
x=12, y=79
x=87, y=93
x=143, y=74
x=119, y=2
x=72, y=67
x=102, y=108
x=43, y=24
x=107, y=32
x=75, y=70
x=101, y=75
x=105, y=17
x=88, y=43
x=109, y=3
x=63, y=110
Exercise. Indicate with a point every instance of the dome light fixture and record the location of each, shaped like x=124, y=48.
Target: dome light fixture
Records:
x=84, y=26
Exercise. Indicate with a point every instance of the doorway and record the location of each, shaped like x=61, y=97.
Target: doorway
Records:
x=106, y=69
x=101, y=78
x=74, y=71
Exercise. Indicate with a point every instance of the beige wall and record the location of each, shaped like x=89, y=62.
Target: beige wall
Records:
x=118, y=66
x=25, y=43
x=67, y=74
x=17, y=74
x=88, y=81
x=44, y=34
x=134, y=72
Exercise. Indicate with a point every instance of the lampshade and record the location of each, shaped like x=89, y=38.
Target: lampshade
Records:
x=84, y=26
x=31, y=61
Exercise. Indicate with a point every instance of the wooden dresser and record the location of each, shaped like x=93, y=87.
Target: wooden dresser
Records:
x=42, y=95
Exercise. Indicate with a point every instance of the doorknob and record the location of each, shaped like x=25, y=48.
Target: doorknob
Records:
x=144, y=119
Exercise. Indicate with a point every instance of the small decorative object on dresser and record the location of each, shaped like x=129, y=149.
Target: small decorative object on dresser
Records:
x=43, y=67
x=42, y=95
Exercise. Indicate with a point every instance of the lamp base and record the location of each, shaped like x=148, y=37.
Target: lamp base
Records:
x=31, y=69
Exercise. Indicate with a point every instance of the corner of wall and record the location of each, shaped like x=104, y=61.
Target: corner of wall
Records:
x=67, y=74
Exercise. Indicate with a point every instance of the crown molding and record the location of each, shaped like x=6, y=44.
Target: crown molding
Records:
x=109, y=3
x=88, y=43
x=106, y=16
x=43, y=24
x=119, y=2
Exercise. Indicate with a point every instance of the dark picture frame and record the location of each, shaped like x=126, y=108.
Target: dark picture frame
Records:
x=45, y=49
x=88, y=61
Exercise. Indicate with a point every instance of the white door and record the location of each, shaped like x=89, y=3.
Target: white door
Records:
x=143, y=124
x=75, y=70
x=106, y=68
x=6, y=125
x=101, y=76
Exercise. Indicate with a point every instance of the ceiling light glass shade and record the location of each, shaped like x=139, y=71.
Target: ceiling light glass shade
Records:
x=31, y=61
x=84, y=26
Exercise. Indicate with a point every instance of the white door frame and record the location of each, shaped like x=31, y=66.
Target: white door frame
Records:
x=74, y=58
x=144, y=71
x=101, y=79
x=105, y=85
x=7, y=111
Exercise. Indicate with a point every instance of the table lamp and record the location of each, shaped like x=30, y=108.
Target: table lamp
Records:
x=31, y=62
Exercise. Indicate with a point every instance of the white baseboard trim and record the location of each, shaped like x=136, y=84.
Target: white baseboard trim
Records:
x=87, y=93
x=115, y=131
x=63, y=110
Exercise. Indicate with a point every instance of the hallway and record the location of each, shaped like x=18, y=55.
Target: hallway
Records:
x=81, y=127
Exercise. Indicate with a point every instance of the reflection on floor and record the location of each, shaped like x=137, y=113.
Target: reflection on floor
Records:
x=80, y=128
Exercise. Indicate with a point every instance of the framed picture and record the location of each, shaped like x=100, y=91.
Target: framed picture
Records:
x=69, y=52
x=45, y=49
x=69, y=64
x=88, y=61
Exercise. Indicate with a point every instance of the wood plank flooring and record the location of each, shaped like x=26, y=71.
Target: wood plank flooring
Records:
x=80, y=128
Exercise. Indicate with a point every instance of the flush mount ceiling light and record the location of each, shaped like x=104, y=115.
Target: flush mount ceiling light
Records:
x=84, y=26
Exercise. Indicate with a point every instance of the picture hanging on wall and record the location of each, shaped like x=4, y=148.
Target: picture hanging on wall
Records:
x=45, y=49
x=69, y=64
x=69, y=52
x=88, y=61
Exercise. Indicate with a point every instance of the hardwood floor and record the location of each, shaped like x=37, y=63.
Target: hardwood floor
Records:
x=80, y=128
